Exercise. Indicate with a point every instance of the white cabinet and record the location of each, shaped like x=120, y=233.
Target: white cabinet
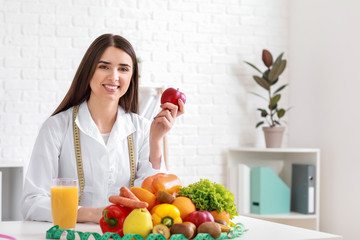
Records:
x=11, y=187
x=280, y=160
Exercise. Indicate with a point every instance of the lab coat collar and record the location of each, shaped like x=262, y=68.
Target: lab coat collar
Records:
x=123, y=125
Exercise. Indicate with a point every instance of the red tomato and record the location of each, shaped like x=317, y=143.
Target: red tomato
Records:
x=172, y=95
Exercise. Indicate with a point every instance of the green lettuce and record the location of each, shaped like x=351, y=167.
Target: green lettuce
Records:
x=209, y=196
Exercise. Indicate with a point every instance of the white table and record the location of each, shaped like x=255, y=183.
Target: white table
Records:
x=257, y=230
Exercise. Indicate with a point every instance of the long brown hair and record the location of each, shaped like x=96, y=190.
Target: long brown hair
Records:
x=80, y=87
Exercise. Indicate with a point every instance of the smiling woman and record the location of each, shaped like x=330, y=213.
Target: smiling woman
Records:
x=113, y=74
x=96, y=134
x=109, y=83
x=96, y=58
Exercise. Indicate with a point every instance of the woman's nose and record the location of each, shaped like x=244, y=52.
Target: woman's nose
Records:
x=114, y=76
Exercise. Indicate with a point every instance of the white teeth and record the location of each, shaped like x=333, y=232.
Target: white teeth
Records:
x=111, y=87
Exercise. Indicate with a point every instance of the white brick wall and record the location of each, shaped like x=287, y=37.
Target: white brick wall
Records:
x=198, y=46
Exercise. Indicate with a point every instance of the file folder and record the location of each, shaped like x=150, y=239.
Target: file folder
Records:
x=303, y=188
x=269, y=193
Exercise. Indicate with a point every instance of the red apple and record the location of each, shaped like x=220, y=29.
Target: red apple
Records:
x=199, y=217
x=172, y=95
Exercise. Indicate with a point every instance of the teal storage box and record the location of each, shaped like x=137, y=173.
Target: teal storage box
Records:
x=269, y=194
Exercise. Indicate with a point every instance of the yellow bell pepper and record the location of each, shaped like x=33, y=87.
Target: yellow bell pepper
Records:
x=166, y=214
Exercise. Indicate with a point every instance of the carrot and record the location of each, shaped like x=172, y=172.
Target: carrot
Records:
x=126, y=202
x=125, y=192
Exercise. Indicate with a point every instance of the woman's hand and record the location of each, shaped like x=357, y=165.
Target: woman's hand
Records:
x=160, y=126
x=165, y=119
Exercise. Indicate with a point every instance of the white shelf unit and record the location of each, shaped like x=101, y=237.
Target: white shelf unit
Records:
x=280, y=160
x=12, y=175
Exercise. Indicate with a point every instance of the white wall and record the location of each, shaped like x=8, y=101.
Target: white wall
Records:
x=324, y=72
x=198, y=46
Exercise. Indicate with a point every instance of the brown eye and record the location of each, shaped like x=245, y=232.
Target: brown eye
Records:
x=103, y=67
x=124, y=69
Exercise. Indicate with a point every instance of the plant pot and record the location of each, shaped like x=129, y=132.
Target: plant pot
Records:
x=273, y=136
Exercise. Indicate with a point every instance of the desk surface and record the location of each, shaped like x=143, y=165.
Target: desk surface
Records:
x=257, y=229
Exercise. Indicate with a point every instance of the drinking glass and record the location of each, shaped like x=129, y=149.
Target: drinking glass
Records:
x=64, y=202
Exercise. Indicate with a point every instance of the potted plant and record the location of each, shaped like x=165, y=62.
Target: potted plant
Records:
x=272, y=113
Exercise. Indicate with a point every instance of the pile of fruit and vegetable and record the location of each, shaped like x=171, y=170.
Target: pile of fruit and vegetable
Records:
x=163, y=206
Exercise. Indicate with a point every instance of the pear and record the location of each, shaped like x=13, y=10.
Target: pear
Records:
x=139, y=221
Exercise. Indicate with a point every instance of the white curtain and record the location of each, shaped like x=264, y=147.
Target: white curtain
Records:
x=149, y=102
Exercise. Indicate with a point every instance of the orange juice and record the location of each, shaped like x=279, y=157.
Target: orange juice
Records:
x=64, y=206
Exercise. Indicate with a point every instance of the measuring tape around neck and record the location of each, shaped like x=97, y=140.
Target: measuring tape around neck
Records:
x=132, y=159
x=79, y=164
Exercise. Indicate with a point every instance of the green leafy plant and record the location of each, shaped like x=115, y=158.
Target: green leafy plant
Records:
x=209, y=196
x=272, y=114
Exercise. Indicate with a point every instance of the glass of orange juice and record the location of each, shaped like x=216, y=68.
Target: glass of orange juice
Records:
x=64, y=202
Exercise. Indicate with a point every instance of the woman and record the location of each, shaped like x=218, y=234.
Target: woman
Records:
x=97, y=117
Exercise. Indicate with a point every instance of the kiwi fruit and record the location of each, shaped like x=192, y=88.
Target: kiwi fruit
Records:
x=224, y=228
x=221, y=221
x=211, y=228
x=183, y=228
x=193, y=226
x=161, y=229
x=164, y=197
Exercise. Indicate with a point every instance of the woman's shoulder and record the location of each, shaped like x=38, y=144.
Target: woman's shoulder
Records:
x=59, y=121
x=139, y=120
x=54, y=128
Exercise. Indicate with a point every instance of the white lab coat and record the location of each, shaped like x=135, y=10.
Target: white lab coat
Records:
x=106, y=167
